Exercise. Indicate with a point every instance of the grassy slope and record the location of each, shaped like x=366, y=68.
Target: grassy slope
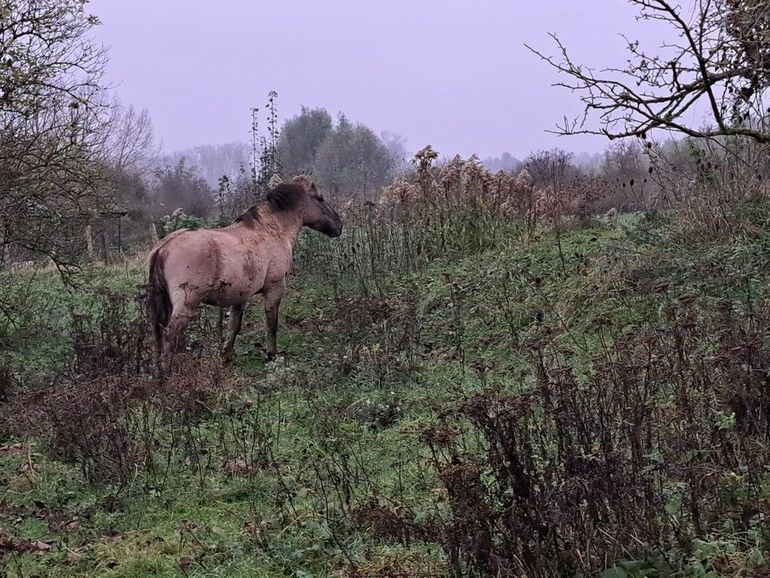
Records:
x=344, y=388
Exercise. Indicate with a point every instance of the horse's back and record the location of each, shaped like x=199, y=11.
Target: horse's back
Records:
x=162, y=243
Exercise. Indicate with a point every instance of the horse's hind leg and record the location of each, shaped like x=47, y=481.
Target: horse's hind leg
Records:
x=233, y=327
x=174, y=337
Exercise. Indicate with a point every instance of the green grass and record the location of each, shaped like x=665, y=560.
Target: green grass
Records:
x=34, y=332
x=349, y=400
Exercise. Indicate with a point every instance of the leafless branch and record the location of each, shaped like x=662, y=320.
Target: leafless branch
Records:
x=722, y=59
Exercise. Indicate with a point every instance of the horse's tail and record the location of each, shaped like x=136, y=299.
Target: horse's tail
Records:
x=158, y=299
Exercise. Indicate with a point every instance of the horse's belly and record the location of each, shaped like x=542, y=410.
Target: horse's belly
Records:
x=225, y=293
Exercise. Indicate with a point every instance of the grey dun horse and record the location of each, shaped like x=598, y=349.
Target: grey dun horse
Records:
x=227, y=266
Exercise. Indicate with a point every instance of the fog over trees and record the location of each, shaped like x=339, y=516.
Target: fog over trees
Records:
x=213, y=161
x=346, y=158
x=301, y=137
x=72, y=155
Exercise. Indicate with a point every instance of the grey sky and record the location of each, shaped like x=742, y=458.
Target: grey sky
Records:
x=451, y=73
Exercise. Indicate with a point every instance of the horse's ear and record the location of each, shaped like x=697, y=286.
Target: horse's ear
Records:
x=306, y=182
x=275, y=180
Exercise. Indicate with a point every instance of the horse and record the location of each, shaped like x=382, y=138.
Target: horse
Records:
x=227, y=266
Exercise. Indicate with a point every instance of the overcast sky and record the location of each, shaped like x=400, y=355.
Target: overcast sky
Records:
x=451, y=73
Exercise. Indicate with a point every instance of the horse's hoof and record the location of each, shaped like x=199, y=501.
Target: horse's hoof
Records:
x=272, y=356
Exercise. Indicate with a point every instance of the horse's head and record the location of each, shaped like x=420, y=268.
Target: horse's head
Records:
x=318, y=213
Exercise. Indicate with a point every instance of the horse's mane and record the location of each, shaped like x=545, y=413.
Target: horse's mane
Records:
x=283, y=198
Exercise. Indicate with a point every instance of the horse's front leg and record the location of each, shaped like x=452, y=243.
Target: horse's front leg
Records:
x=273, y=295
x=233, y=327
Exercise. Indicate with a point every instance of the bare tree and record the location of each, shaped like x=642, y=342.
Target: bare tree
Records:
x=720, y=61
x=128, y=140
x=214, y=161
x=550, y=168
x=50, y=117
x=396, y=145
x=550, y=171
x=624, y=160
x=181, y=187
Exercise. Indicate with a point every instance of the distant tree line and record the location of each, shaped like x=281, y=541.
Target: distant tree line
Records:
x=347, y=160
x=80, y=173
x=74, y=161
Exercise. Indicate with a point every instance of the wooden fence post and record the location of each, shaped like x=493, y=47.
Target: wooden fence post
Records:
x=89, y=243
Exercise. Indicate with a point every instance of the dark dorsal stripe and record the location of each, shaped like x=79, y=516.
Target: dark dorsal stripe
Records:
x=250, y=215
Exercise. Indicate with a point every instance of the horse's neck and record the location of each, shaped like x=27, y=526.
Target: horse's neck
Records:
x=284, y=227
x=292, y=233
